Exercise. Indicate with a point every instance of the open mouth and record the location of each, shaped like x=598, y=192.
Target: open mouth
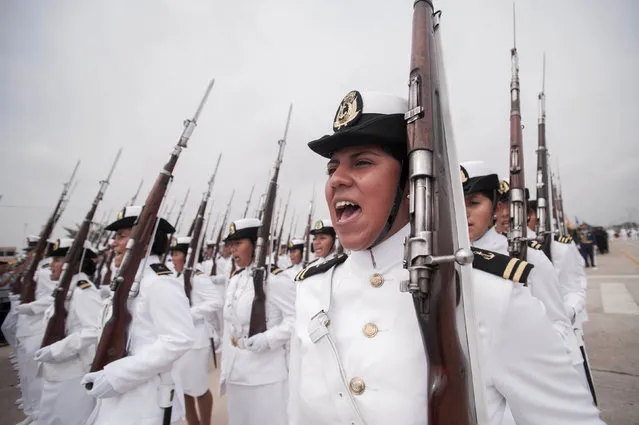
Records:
x=346, y=211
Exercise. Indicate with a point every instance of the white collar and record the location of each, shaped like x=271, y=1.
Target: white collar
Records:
x=386, y=255
x=491, y=240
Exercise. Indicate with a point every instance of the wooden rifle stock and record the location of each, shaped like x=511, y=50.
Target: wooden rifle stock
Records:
x=28, y=284
x=56, y=327
x=113, y=342
x=430, y=246
x=258, y=309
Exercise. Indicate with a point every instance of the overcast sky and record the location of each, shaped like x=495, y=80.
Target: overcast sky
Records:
x=80, y=79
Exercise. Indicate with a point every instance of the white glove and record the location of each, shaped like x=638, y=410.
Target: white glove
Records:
x=257, y=343
x=196, y=314
x=44, y=355
x=26, y=309
x=102, y=388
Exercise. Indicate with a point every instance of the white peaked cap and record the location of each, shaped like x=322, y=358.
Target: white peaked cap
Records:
x=383, y=103
x=476, y=168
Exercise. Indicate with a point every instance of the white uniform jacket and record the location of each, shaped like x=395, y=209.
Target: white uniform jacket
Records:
x=29, y=325
x=64, y=400
x=371, y=368
x=543, y=282
x=205, y=302
x=245, y=367
x=571, y=275
x=73, y=355
x=292, y=271
x=161, y=331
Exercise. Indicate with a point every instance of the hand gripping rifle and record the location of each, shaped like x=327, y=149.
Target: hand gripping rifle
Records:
x=56, y=327
x=258, y=309
x=216, y=248
x=517, y=243
x=197, y=233
x=433, y=249
x=27, y=285
x=544, y=234
x=113, y=342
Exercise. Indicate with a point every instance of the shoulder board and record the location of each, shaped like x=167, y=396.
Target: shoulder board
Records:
x=276, y=270
x=312, y=270
x=198, y=272
x=238, y=271
x=160, y=269
x=502, y=265
x=563, y=239
x=534, y=244
x=84, y=284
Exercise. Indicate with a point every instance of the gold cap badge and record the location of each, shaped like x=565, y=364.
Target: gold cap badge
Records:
x=232, y=229
x=121, y=214
x=319, y=224
x=349, y=111
x=504, y=187
x=56, y=245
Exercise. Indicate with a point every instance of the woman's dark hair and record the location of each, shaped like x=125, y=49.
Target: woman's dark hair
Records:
x=88, y=266
x=160, y=243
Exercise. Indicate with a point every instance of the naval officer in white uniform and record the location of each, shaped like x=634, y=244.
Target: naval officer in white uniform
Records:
x=357, y=355
x=131, y=389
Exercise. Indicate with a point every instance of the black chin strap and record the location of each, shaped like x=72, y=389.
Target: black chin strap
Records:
x=396, y=204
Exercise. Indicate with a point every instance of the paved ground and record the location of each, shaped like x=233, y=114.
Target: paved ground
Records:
x=612, y=337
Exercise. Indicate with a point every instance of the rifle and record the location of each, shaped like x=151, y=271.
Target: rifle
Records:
x=216, y=248
x=248, y=202
x=197, y=232
x=258, y=309
x=517, y=244
x=56, y=327
x=177, y=223
x=204, y=232
x=307, y=231
x=433, y=247
x=563, y=228
x=177, y=220
x=137, y=192
x=555, y=202
x=27, y=284
x=544, y=234
x=291, y=227
x=279, y=234
x=113, y=341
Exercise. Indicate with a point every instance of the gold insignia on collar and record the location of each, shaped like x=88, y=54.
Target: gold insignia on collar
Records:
x=349, y=111
x=504, y=187
x=232, y=229
x=318, y=225
x=464, y=175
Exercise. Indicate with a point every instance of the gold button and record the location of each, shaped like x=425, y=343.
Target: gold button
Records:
x=357, y=386
x=370, y=330
x=377, y=280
